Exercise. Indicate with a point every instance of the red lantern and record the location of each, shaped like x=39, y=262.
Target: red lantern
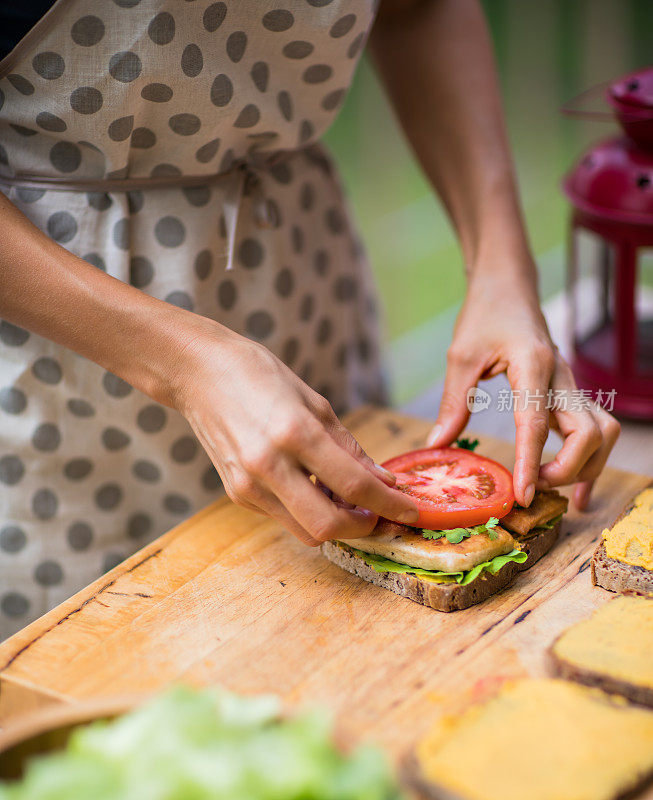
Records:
x=611, y=255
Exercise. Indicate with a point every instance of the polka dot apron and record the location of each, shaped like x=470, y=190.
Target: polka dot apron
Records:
x=173, y=145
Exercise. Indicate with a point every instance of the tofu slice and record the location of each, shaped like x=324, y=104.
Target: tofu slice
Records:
x=401, y=543
x=545, y=507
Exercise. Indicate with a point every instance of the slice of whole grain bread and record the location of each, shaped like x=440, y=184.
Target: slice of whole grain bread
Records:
x=410, y=776
x=443, y=596
x=615, y=576
x=641, y=695
x=592, y=664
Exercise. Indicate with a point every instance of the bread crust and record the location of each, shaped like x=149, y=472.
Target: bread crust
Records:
x=444, y=597
x=640, y=695
x=615, y=576
x=411, y=777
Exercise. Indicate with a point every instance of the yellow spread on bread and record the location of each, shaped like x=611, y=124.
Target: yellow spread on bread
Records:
x=542, y=740
x=630, y=540
x=617, y=641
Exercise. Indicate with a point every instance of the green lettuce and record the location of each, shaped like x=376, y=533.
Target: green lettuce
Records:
x=381, y=564
x=206, y=745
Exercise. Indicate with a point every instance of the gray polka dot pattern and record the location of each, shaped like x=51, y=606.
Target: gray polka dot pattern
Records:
x=79, y=536
x=12, y=470
x=12, y=400
x=86, y=100
x=87, y=31
x=48, y=65
x=125, y=66
x=90, y=468
x=12, y=539
x=12, y=335
x=44, y=504
x=46, y=437
x=80, y=408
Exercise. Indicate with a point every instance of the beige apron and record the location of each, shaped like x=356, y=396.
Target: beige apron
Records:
x=172, y=144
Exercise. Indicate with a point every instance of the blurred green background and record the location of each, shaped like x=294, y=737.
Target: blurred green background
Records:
x=547, y=51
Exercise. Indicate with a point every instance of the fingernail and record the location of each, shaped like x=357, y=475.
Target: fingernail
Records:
x=529, y=494
x=434, y=435
x=408, y=517
x=385, y=475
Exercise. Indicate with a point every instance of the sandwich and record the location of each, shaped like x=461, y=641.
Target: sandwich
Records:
x=612, y=650
x=471, y=539
x=623, y=561
x=536, y=739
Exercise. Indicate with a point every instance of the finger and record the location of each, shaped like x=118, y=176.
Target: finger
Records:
x=346, y=440
x=582, y=439
x=251, y=495
x=453, y=414
x=275, y=509
x=610, y=429
x=582, y=493
x=315, y=513
x=350, y=480
x=530, y=381
x=263, y=501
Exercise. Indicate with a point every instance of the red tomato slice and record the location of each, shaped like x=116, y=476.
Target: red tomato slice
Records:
x=453, y=487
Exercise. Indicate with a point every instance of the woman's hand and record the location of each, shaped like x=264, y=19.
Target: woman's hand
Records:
x=501, y=329
x=266, y=432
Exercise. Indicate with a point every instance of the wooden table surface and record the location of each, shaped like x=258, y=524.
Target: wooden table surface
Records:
x=228, y=597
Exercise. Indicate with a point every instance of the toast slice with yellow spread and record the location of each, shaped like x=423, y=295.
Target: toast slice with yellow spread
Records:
x=536, y=739
x=451, y=575
x=623, y=561
x=612, y=650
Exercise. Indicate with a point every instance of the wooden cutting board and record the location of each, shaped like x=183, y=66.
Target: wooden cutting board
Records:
x=228, y=597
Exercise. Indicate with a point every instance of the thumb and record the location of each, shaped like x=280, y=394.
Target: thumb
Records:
x=453, y=414
x=346, y=440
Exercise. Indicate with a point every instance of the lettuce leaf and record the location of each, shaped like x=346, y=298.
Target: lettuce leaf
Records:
x=206, y=745
x=381, y=564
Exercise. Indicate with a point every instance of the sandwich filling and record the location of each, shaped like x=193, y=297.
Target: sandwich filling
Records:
x=414, y=550
x=631, y=539
x=458, y=554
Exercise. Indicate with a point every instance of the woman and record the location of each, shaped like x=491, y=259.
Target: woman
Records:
x=178, y=266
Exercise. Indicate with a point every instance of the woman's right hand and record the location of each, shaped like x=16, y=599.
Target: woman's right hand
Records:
x=263, y=428
x=266, y=432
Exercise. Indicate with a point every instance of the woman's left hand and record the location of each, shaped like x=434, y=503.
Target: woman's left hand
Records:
x=501, y=329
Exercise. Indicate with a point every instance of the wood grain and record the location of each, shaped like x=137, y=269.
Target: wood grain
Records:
x=228, y=597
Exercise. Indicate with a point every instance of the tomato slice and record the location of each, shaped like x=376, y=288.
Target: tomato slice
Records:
x=452, y=487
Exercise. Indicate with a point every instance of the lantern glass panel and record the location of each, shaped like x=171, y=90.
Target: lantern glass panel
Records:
x=593, y=297
x=644, y=311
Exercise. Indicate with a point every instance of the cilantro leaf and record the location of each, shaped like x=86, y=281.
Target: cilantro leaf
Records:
x=432, y=534
x=467, y=444
x=490, y=525
x=456, y=535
